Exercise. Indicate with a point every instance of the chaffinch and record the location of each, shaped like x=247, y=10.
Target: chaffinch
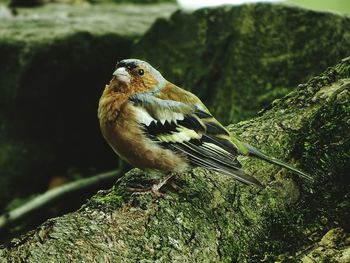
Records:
x=153, y=124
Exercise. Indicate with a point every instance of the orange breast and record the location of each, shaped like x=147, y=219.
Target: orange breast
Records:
x=127, y=139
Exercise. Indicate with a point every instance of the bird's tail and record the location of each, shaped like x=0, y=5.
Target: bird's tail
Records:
x=240, y=176
x=256, y=153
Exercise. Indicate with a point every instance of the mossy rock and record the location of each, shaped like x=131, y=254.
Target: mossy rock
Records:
x=333, y=247
x=209, y=217
x=238, y=59
x=55, y=61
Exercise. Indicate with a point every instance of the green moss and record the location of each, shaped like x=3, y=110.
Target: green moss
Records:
x=333, y=247
x=272, y=94
x=110, y=198
x=316, y=118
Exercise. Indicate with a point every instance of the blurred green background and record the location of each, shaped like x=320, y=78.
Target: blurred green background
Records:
x=340, y=6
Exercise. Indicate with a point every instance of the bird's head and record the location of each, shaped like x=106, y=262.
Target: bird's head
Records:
x=138, y=76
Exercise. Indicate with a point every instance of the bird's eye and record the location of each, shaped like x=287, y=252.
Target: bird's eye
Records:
x=141, y=72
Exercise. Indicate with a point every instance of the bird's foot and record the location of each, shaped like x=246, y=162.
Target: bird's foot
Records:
x=153, y=189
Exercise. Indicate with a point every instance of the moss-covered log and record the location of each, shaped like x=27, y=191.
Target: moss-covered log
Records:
x=213, y=218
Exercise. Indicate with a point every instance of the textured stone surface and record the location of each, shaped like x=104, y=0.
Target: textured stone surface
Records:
x=213, y=219
x=54, y=63
x=333, y=247
x=238, y=59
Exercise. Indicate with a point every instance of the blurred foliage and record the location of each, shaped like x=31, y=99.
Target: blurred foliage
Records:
x=341, y=6
x=29, y=3
x=25, y=2
x=130, y=1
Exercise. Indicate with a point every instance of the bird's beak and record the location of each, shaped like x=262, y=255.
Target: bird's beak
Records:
x=122, y=75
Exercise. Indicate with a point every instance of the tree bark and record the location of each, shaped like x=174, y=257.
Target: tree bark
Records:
x=212, y=218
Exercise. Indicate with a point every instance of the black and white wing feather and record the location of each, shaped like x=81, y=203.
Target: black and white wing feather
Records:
x=191, y=131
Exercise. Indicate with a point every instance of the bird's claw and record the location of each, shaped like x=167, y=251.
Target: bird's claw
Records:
x=153, y=189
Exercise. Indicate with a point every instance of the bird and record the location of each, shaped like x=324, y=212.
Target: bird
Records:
x=155, y=125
